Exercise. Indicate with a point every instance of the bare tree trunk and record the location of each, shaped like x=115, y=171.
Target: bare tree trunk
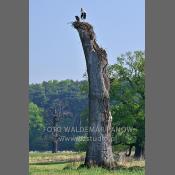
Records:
x=55, y=134
x=54, y=146
x=130, y=150
x=99, y=151
x=139, y=152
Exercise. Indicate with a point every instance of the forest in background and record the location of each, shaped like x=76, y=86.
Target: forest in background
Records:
x=127, y=99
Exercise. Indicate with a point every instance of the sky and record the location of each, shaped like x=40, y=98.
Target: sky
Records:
x=55, y=50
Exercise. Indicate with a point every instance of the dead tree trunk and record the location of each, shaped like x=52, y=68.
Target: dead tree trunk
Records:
x=55, y=133
x=139, y=152
x=54, y=146
x=99, y=151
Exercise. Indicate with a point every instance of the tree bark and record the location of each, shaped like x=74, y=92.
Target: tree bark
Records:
x=55, y=134
x=139, y=152
x=99, y=150
x=130, y=149
x=54, y=146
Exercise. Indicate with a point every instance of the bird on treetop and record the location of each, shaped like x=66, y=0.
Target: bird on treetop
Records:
x=83, y=14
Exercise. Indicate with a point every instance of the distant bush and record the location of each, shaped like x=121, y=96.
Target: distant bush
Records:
x=81, y=143
x=119, y=148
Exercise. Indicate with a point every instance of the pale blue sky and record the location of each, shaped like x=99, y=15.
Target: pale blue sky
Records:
x=55, y=50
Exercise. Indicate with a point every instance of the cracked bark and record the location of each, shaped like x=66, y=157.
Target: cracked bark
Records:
x=99, y=151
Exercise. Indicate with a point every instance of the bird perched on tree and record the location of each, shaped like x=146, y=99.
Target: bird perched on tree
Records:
x=77, y=18
x=83, y=14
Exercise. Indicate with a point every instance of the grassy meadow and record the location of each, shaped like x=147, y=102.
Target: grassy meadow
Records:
x=67, y=163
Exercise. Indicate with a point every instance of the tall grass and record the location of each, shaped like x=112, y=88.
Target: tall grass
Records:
x=51, y=167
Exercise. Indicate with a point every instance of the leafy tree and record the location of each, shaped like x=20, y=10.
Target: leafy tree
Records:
x=36, y=127
x=128, y=99
x=37, y=95
x=127, y=94
x=46, y=94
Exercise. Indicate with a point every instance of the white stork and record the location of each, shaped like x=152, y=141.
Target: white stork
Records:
x=83, y=14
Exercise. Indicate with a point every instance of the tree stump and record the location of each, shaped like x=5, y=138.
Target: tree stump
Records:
x=99, y=151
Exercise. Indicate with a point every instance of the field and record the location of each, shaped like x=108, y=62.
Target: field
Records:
x=67, y=163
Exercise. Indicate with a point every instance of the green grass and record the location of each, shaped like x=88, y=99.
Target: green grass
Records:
x=58, y=169
x=35, y=157
x=36, y=167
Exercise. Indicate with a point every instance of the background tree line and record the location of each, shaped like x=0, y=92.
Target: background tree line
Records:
x=127, y=95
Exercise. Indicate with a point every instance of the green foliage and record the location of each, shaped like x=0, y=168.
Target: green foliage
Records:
x=81, y=143
x=36, y=127
x=119, y=148
x=35, y=118
x=84, y=117
x=68, y=93
x=128, y=96
x=37, y=94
